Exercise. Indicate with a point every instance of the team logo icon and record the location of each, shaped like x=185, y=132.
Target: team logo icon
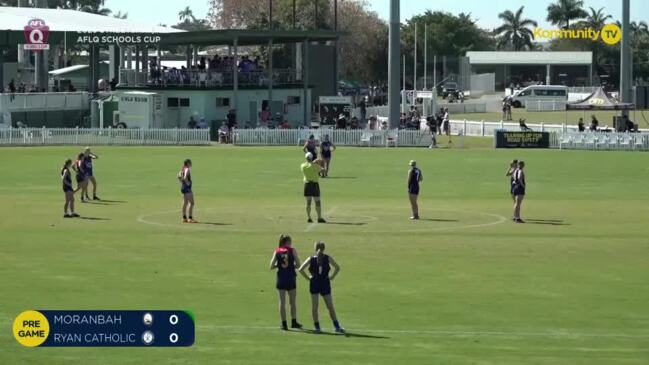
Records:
x=36, y=35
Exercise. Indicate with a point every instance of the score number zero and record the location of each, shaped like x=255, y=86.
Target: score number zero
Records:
x=173, y=319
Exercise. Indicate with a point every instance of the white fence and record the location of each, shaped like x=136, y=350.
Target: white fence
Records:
x=97, y=136
x=538, y=105
x=601, y=141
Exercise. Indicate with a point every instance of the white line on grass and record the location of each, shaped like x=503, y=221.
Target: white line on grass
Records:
x=456, y=333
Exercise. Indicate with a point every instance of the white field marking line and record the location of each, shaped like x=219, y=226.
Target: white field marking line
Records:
x=548, y=334
x=311, y=226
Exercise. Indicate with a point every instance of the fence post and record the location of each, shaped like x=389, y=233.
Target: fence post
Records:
x=502, y=125
x=464, y=126
x=76, y=137
x=542, y=128
x=563, y=127
x=43, y=135
x=176, y=134
x=142, y=138
x=482, y=128
x=11, y=134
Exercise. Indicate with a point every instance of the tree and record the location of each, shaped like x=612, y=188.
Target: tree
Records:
x=88, y=6
x=563, y=11
x=120, y=15
x=186, y=14
x=515, y=30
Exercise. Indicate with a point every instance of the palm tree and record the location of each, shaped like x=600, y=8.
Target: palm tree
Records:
x=597, y=19
x=563, y=11
x=186, y=14
x=120, y=15
x=515, y=30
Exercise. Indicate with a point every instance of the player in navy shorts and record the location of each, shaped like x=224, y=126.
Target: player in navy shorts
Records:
x=185, y=178
x=87, y=161
x=285, y=260
x=319, y=266
x=68, y=190
x=81, y=177
x=326, y=149
x=510, y=173
x=414, y=178
x=310, y=147
x=518, y=191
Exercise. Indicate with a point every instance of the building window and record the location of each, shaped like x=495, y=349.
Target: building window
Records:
x=222, y=102
x=172, y=102
x=184, y=102
x=292, y=100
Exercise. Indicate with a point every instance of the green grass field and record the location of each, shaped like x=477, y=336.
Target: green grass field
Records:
x=462, y=286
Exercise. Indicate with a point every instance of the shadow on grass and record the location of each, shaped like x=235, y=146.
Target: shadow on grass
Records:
x=438, y=220
x=93, y=218
x=113, y=201
x=214, y=224
x=341, y=177
x=547, y=222
x=346, y=334
x=348, y=223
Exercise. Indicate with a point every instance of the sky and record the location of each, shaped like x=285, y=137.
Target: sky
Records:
x=485, y=11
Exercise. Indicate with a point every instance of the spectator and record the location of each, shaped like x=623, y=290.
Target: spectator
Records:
x=372, y=123
x=384, y=126
x=363, y=108
x=285, y=125
x=341, y=123
x=224, y=133
x=354, y=123
x=232, y=118
x=12, y=90
x=202, y=124
x=594, y=123
x=580, y=125
x=71, y=88
x=192, y=123
x=446, y=122
x=113, y=84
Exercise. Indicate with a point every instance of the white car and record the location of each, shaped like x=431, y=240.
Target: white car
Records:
x=540, y=92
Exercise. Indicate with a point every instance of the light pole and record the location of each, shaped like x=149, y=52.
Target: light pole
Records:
x=394, y=51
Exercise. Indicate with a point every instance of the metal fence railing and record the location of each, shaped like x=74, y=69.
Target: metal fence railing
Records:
x=600, y=141
x=539, y=105
x=98, y=136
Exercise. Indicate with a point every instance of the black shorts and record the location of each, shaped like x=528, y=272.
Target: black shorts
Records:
x=326, y=156
x=518, y=190
x=80, y=178
x=67, y=189
x=286, y=283
x=322, y=287
x=312, y=189
x=414, y=190
x=185, y=189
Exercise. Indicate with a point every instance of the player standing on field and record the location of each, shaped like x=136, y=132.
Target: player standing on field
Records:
x=414, y=178
x=311, y=172
x=326, y=149
x=285, y=260
x=87, y=161
x=185, y=178
x=68, y=190
x=320, y=284
x=510, y=173
x=519, y=191
x=310, y=147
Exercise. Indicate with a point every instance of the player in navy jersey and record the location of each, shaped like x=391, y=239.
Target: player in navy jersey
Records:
x=519, y=191
x=185, y=178
x=82, y=179
x=68, y=190
x=285, y=260
x=510, y=173
x=326, y=149
x=87, y=159
x=319, y=266
x=414, y=178
x=310, y=146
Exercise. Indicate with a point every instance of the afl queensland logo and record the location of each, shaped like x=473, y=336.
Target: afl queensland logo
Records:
x=36, y=35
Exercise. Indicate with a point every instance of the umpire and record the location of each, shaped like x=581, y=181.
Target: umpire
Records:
x=311, y=171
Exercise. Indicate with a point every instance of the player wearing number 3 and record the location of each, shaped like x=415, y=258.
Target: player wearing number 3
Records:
x=285, y=260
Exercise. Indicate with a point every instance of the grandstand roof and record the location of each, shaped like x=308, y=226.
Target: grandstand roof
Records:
x=60, y=20
x=246, y=37
x=530, y=58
